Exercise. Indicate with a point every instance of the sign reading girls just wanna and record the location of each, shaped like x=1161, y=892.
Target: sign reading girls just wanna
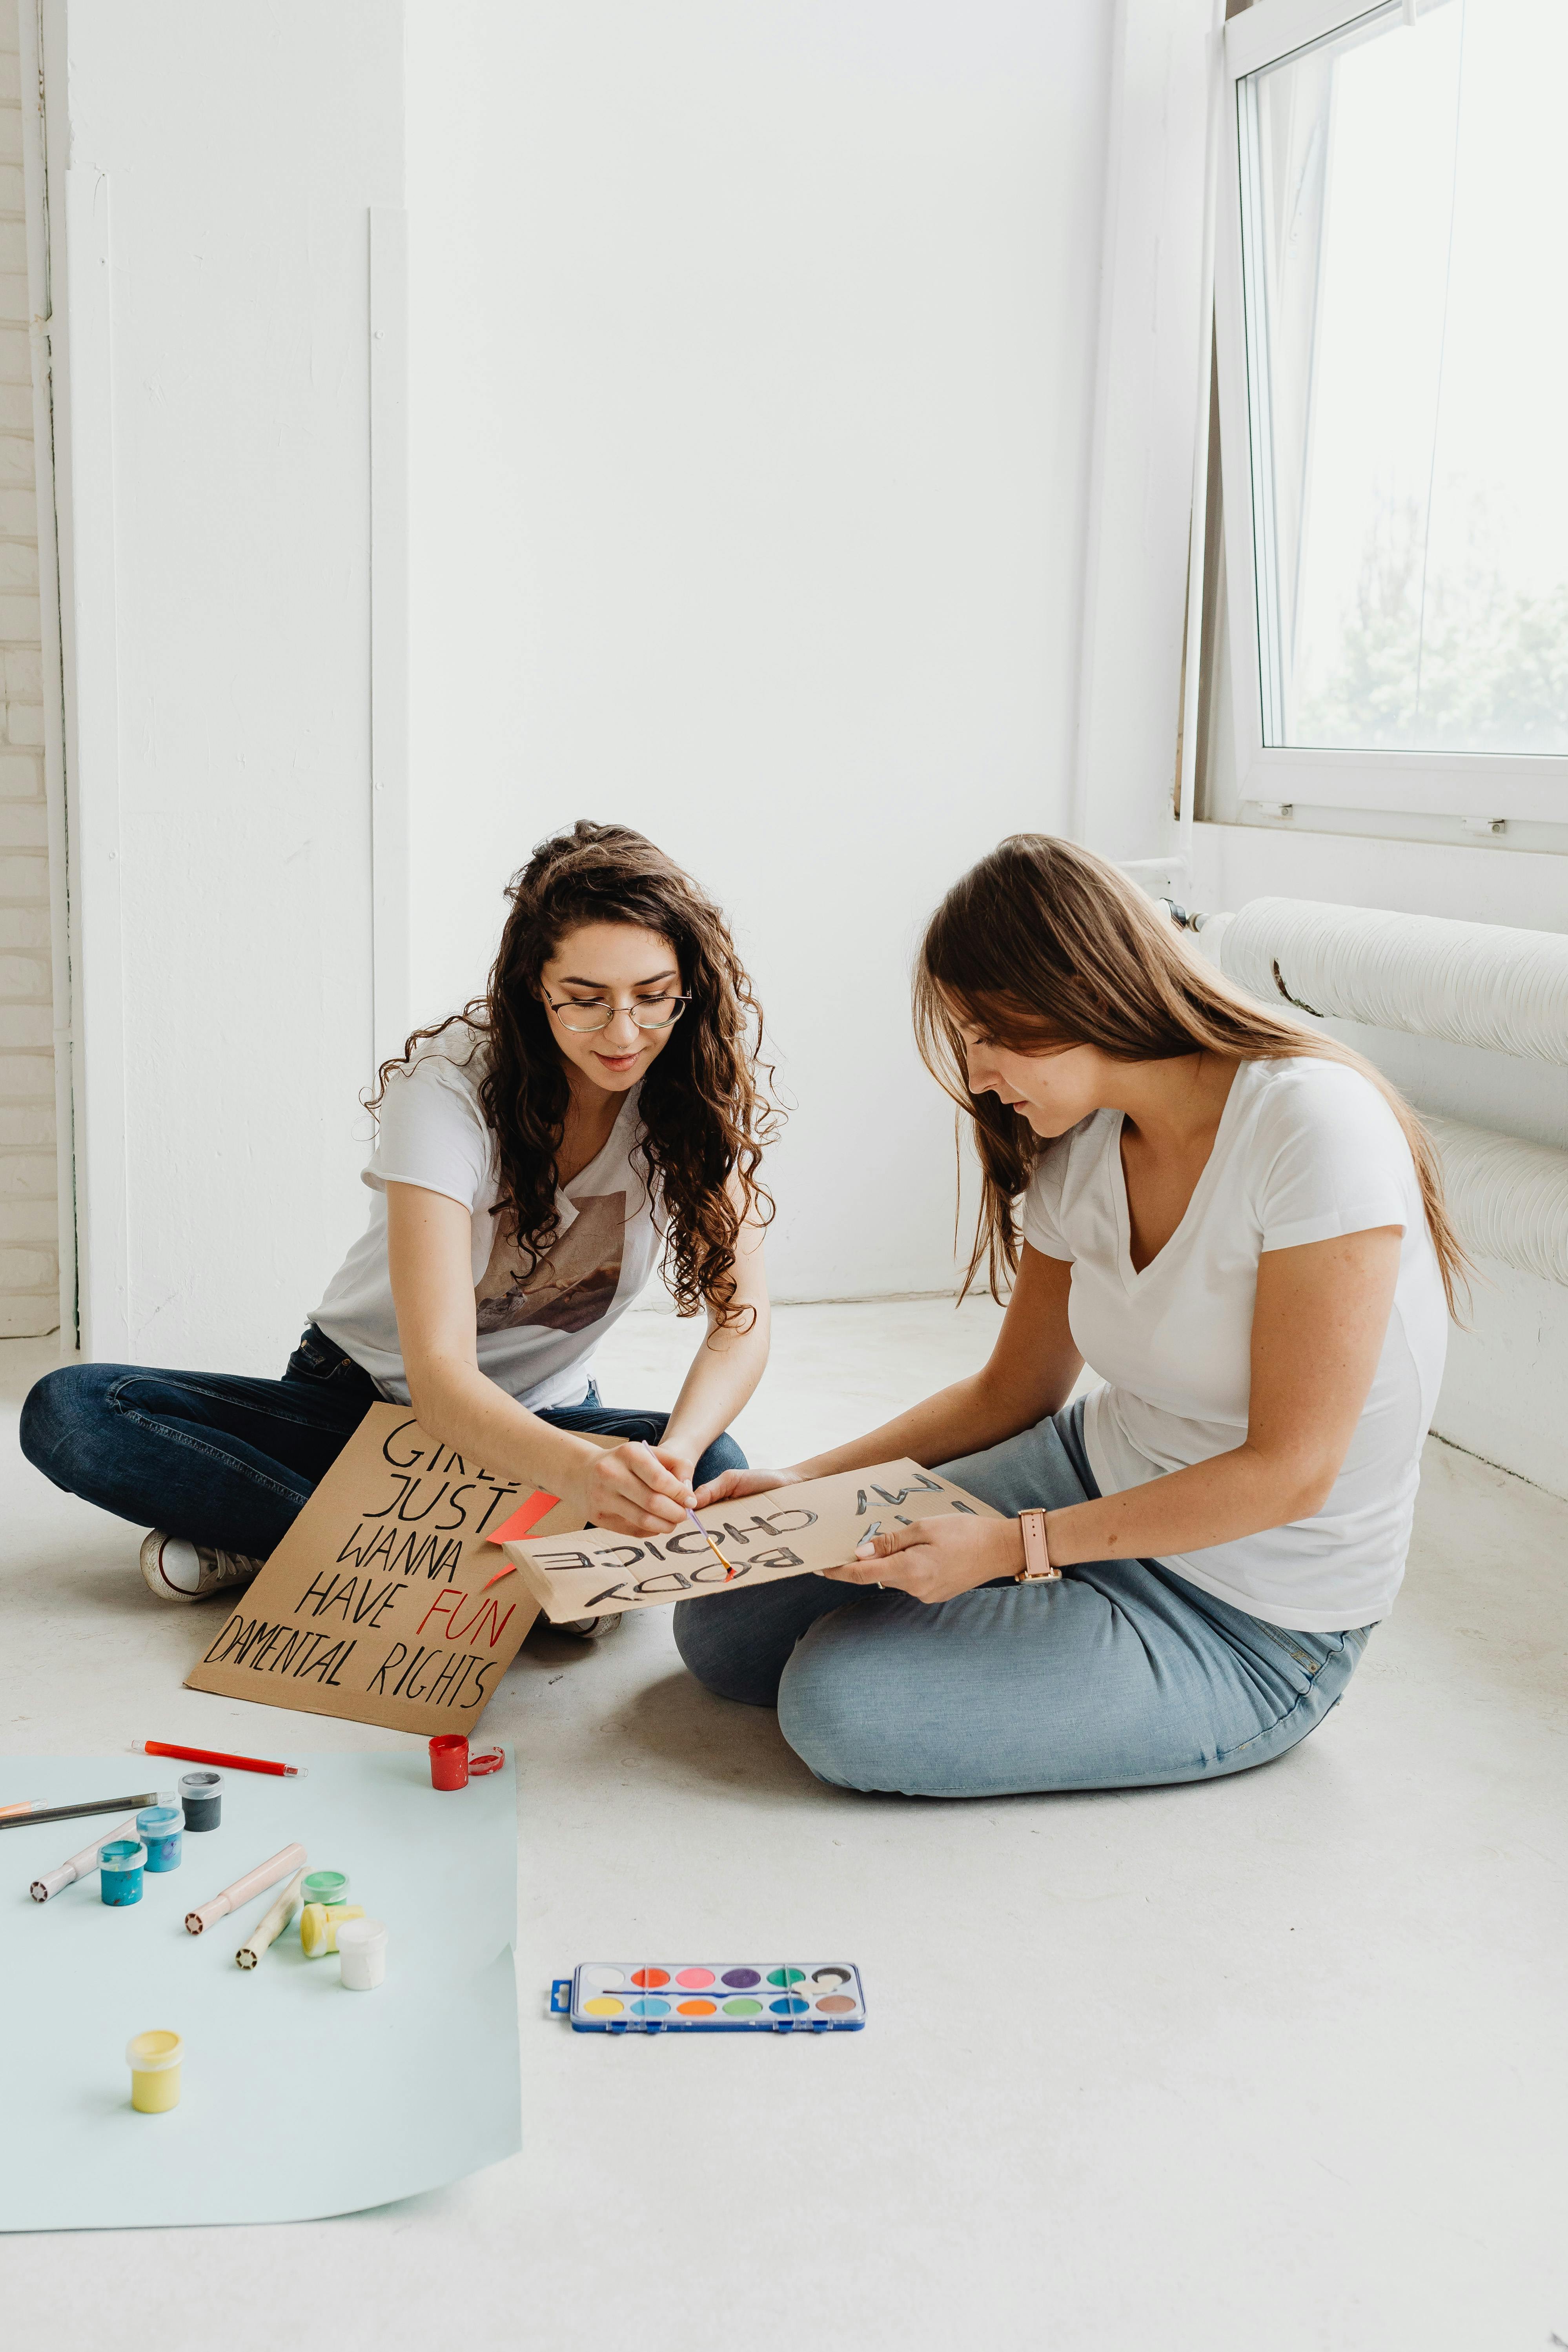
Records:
x=375, y=1605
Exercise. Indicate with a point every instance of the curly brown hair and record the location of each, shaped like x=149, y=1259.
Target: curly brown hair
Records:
x=1045, y=944
x=704, y=1118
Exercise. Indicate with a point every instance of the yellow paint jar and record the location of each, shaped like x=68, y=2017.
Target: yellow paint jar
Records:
x=155, y=2062
x=319, y=1926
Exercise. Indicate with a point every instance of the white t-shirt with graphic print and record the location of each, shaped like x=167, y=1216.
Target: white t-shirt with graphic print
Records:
x=1306, y=1149
x=536, y=1329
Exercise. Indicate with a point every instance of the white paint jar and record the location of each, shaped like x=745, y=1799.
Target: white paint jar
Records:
x=362, y=1954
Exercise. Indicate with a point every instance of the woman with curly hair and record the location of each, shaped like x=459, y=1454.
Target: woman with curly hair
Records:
x=594, y=1115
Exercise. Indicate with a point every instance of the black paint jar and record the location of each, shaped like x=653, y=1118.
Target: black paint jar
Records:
x=201, y=1793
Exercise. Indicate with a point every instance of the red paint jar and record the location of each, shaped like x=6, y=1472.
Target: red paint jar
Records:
x=449, y=1761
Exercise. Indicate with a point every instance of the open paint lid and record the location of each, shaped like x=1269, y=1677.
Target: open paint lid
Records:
x=150, y=2053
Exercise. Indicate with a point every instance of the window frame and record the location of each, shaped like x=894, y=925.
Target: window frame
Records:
x=1527, y=787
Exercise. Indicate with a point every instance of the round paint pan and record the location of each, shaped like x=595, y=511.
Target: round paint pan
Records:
x=830, y=1980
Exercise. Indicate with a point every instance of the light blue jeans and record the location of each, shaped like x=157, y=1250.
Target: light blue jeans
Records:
x=1120, y=1676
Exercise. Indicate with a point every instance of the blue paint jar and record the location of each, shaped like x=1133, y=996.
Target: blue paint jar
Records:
x=120, y=1868
x=159, y=1828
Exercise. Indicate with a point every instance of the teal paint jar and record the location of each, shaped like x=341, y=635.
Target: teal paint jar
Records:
x=120, y=1868
x=159, y=1828
x=326, y=1887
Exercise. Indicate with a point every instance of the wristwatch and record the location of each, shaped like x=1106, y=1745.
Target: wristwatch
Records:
x=1036, y=1567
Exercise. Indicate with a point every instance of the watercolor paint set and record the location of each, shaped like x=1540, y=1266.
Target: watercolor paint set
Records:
x=711, y=1997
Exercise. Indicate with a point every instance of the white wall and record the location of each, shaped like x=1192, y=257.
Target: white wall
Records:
x=215, y=167
x=29, y=1216
x=753, y=359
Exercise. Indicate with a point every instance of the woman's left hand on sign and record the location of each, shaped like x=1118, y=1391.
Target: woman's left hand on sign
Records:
x=936, y=1559
x=733, y=1486
x=636, y=1490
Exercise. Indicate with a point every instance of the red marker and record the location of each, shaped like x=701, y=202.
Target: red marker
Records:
x=211, y=1755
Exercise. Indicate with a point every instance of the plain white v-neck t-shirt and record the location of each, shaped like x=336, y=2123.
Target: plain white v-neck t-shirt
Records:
x=1306, y=1149
x=536, y=1326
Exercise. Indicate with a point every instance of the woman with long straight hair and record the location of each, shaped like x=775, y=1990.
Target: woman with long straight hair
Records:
x=1238, y=1224
x=539, y=1154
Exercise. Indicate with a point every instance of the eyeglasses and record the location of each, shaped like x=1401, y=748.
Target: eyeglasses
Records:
x=653, y=1013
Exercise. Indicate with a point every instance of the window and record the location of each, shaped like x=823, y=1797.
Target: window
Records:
x=1393, y=342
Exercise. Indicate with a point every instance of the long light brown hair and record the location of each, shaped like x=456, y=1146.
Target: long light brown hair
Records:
x=1045, y=944
x=704, y=1118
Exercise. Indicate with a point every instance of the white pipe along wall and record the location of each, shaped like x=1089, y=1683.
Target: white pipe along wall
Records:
x=1509, y=1200
x=1482, y=984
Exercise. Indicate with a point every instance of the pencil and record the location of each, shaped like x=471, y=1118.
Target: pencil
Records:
x=14, y=1820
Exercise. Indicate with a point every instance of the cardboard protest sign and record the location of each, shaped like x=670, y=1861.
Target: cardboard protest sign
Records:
x=374, y=1606
x=789, y=1531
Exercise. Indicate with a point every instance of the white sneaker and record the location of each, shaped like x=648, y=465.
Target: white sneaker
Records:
x=177, y=1570
x=589, y=1628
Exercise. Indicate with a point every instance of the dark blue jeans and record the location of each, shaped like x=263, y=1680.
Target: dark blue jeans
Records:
x=229, y=1462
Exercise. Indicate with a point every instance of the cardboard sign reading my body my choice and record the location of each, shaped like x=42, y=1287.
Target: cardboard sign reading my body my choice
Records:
x=374, y=1605
x=788, y=1531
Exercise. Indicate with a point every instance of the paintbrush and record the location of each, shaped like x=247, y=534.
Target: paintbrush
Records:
x=708, y=1539
x=645, y=1448
x=18, y=1817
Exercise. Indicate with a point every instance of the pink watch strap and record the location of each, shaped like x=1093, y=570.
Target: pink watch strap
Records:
x=1036, y=1567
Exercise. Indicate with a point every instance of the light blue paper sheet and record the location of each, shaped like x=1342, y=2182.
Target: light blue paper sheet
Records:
x=299, y=2098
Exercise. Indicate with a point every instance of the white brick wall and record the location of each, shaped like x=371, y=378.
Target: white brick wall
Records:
x=29, y=1256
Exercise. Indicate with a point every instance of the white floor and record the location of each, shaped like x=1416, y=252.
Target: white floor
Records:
x=1274, y=2062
